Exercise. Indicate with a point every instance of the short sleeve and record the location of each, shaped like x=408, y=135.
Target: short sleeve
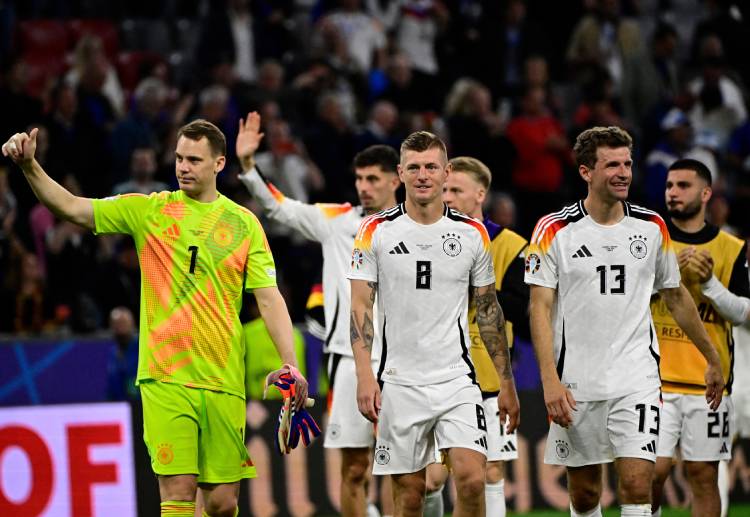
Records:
x=483, y=271
x=120, y=214
x=364, y=264
x=667, y=270
x=261, y=270
x=540, y=267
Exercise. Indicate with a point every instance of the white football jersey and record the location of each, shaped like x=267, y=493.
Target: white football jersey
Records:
x=423, y=274
x=334, y=226
x=604, y=340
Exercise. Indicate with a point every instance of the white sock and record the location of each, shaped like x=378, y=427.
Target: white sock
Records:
x=494, y=496
x=635, y=510
x=657, y=513
x=596, y=512
x=433, y=504
x=724, y=486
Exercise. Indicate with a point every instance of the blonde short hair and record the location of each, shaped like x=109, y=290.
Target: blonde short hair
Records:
x=474, y=168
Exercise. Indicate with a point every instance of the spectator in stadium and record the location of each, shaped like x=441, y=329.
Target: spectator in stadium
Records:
x=651, y=80
x=713, y=267
x=352, y=38
x=719, y=105
x=333, y=225
x=380, y=127
x=604, y=38
x=93, y=72
x=466, y=190
x=541, y=151
x=403, y=90
x=474, y=128
x=122, y=365
x=183, y=391
x=678, y=141
x=592, y=267
x=143, y=167
x=145, y=124
x=429, y=398
x=331, y=142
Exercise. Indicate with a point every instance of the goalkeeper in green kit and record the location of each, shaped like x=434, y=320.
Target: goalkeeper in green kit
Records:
x=198, y=252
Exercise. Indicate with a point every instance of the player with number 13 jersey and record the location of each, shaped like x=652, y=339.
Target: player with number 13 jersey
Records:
x=604, y=341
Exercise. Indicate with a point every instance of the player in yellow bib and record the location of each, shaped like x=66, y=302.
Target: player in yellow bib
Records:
x=713, y=267
x=466, y=190
x=198, y=252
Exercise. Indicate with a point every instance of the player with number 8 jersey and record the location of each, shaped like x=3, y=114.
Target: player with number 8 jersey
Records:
x=422, y=273
x=421, y=258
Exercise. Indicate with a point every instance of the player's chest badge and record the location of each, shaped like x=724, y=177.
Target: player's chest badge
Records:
x=638, y=247
x=451, y=244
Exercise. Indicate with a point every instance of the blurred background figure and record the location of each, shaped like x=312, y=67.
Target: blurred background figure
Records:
x=122, y=366
x=143, y=167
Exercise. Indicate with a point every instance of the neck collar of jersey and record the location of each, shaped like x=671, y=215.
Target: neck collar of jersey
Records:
x=199, y=204
x=702, y=236
x=625, y=208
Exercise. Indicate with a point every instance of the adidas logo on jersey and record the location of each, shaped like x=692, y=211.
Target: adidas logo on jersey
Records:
x=482, y=442
x=582, y=252
x=723, y=448
x=400, y=249
x=650, y=446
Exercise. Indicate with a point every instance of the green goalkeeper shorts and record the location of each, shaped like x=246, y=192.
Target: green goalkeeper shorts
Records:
x=195, y=431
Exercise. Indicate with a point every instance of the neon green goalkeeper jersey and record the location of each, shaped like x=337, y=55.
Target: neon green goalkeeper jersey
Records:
x=196, y=259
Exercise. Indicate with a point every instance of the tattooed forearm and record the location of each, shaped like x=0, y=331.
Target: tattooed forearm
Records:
x=353, y=332
x=373, y=289
x=491, y=323
x=368, y=331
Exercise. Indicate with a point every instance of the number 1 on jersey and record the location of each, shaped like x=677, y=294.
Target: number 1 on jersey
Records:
x=193, y=258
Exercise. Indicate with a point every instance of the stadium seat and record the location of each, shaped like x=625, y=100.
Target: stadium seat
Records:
x=129, y=66
x=104, y=29
x=142, y=34
x=41, y=71
x=43, y=38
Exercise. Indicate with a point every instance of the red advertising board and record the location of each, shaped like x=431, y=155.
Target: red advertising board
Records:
x=67, y=461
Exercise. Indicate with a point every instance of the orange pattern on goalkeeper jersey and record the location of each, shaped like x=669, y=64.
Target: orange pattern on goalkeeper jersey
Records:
x=175, y=209
x=157, y=261
x=196, y=261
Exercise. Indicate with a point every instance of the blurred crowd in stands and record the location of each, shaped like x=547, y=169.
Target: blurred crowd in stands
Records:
x=510, y=82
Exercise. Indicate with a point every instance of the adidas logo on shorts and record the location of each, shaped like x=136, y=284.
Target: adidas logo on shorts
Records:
x=723, y=448
x=509, y=447
x=482, y=442
x=649, y=447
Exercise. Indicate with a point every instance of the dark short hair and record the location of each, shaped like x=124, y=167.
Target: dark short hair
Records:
x=693, y=165
x=383, y=156
x=200, y=128
x=590, y=140
x=420, y=141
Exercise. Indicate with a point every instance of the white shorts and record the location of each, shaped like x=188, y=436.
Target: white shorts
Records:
x=414, y=420
x=346, y=428
x=501, y=445
x=626, y=427
x=704, y=435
